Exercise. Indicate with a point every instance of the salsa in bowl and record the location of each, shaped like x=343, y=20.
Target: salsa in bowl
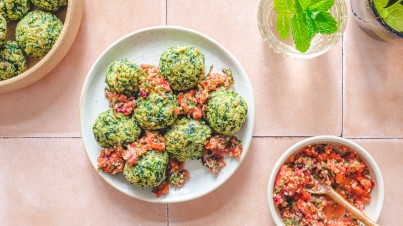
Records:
x=327, y=160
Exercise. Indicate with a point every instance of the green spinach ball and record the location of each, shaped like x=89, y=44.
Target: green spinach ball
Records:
x=226, y=111
x=12, y=60
x=112, y=129
x=37, y=32
x=156, y=111
x=3, y=9
x=3, y=30
x=14, y=9
x=149, y=171
x=7, y=70
x=182, y=66
x=63, y=3
x=123, y=77
x=186, y=138
x=51, y=5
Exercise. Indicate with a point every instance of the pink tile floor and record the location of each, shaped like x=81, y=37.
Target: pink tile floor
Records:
x=354, y=91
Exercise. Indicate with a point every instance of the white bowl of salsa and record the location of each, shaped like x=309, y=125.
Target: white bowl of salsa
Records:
x=351, y=171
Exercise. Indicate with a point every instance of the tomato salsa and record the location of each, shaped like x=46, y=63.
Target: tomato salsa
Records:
x=339, y=167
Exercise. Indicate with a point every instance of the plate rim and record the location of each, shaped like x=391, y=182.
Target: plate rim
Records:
x=251, y=107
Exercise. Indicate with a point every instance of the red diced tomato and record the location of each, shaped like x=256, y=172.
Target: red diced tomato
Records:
x=339, y=178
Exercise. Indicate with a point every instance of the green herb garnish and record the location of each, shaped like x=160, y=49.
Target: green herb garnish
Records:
x=300, y=33
x=283, y=26
x=304, y=18
x=392, y=15
x=325, y=23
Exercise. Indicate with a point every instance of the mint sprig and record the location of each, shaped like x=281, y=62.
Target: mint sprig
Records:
x=304, y=4
x=284, y=10
x=392, y=15
x=300, y=33
x=283, y=26
x=304, y=18
x=322, y=5
x=325, y=23
x=284, y=7
x=309, y=18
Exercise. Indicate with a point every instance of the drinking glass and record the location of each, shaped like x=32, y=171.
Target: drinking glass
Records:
x=320, y=44
x=369, y=20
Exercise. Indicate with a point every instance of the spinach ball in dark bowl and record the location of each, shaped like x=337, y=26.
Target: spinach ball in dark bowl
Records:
x=51, y=5
x=14, y=9
x=37, y=32
x=12, y=60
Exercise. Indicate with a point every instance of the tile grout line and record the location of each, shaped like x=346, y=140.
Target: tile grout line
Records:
x=167, y=214
x=342, y=85
x=374, y=138
x=274, y=136
x=40, y=137
x=166, y=12
x=256, y=137
x=166, y=24
x=356, y=138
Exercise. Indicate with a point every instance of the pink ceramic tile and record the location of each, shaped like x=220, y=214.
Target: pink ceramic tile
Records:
x=50, y=106
x=388, y=154
x=242, y=200
x=49, y=181
x=293, y=97
x=373, y=86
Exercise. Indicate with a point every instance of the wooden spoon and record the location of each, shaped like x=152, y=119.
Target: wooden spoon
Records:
x=328, y=190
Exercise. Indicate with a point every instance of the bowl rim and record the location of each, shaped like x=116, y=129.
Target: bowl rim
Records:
x=323, y=139
x=74, y=11
x=251, y=108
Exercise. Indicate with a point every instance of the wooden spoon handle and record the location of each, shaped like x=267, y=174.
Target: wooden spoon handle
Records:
x=360, y=215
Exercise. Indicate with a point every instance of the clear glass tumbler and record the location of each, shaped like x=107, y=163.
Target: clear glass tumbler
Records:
x=368, y=19
x=320, y=44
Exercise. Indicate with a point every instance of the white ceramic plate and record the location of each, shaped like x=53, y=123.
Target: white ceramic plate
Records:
x=145, y=46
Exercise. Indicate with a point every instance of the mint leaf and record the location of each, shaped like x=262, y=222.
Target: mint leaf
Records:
x=283, y=26
x=300, y=33
x=392, y=2
x=325, y=23
x=304, y=3
x=383, y=12
x=298, y=7
x=283, y=7
x=310, y=23
x=381, y=3
x=395, y=17
x=322, y=5
x=301, y=5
